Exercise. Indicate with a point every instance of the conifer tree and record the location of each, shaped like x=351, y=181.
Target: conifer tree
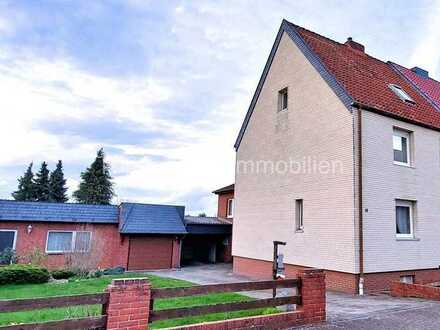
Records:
x=42, y=184
x=96, y=186
x=57, y=185
x=26, y=186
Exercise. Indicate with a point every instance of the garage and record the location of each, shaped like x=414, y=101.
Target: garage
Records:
x=155, y=233
x=150, y=253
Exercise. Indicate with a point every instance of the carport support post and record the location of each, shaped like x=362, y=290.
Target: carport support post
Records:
x=128, y=307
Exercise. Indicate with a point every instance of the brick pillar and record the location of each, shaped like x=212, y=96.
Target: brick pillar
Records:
x=313, y=295
x=129, y=304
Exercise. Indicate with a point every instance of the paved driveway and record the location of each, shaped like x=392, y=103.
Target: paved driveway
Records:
x=344, y=311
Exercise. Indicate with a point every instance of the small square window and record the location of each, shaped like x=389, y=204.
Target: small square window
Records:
x=401, y=147
x=404, y=219
x=408, y=279
x=401, y=94
x=282, y=99
x=299, y=215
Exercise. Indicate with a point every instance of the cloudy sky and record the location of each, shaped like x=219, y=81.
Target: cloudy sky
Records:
x=164, y=85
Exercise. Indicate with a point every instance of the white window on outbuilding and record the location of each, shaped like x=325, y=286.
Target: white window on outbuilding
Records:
x=68, y=241
x=230, y=208
x=408, y=279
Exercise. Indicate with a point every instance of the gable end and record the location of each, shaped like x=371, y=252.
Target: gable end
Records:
x=290, y=30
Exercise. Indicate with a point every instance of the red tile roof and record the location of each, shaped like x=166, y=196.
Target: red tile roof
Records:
x=366, y=79
x=427, y=85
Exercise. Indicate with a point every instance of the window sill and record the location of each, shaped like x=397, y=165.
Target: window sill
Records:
x=403, y=165
x=407, y=239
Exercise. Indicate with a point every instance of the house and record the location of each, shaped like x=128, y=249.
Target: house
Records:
x=135, y=236
x=225, y=209
x=338, y=156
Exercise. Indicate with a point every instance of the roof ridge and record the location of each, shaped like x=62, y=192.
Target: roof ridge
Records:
x=429, y=77
x=151, y=204
x=315, y=34
x=56, y=203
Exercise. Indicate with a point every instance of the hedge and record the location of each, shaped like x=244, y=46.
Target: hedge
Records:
x=62, y=274
x=23, y=274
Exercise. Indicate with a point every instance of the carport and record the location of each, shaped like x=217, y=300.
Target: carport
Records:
x=208, y=241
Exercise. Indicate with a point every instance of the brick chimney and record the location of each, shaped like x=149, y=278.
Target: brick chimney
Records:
x=355, y=45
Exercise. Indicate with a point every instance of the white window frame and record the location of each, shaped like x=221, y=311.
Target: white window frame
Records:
x=401, y=94
x=410, y=205
x=407, y=135
x=73, y=241
x=408, y=279
x=230, y=208
x=281, y=94
x=299, y=215
x=14, y=243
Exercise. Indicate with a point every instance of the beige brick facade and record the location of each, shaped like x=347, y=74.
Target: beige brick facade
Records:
x=316, y=126
x=384, y=182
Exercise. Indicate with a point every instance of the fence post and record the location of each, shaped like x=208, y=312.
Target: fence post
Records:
x=129, y=304
x=313, y=295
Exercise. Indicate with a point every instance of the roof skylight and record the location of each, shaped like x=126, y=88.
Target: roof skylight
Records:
x=401, y=94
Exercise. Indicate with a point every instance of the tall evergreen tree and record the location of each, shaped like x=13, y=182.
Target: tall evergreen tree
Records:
x=96, y=186
x=42, y=188
x=26, y=186
x=57, y=185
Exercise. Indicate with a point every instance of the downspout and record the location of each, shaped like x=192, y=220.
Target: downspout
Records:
x=360, y=208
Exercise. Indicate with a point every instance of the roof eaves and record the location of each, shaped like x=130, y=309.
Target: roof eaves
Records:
x=414, y=85
x=289, y=28
x=382, y=112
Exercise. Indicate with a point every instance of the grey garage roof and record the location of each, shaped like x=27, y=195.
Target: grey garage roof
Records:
x=152, y=219
x=192, y=220
x=57, y=212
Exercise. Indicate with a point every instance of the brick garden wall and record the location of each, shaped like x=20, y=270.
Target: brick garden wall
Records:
x=129, y=306
x=383, y=281
x=399, y=289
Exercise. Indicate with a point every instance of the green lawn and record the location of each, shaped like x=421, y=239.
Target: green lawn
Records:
x=98, y=285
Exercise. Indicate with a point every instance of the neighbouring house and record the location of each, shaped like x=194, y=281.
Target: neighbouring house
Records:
x=209, y=239
x=225, y=209
x=338, y=156
x=135, y=236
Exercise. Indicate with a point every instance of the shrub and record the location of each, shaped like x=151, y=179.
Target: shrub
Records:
x=8, y=256
x=62, y=274
x=23, y=274
x=36, y=257
x=114, y=271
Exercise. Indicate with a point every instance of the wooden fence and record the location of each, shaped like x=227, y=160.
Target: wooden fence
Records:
x=129, y=304
x=224, y=307
x=97, y=322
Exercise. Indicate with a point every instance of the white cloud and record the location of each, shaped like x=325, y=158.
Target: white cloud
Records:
x=213, y=51
x=427, y=52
